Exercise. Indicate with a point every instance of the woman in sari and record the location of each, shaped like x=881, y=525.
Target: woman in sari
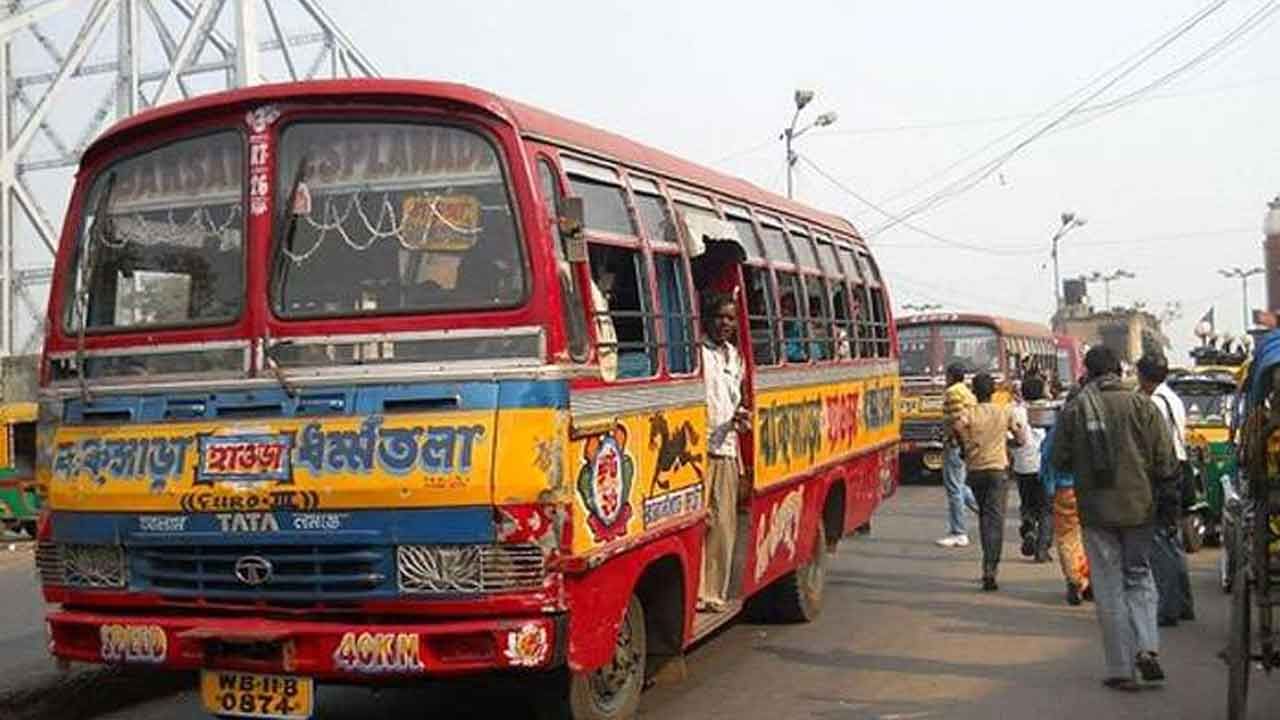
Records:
x=1067, y=535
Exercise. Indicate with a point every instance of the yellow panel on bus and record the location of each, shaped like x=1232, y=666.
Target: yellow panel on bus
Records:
x=376, y=461
x=798, y=429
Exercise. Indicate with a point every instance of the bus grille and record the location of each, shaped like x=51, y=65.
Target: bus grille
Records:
x=922, y=431
x=49, y=564
x=298, y=573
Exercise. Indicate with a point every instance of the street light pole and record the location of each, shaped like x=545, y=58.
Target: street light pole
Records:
x=790, y=133
x=1244, y=276
x=1069, y=221
x=1106, y=279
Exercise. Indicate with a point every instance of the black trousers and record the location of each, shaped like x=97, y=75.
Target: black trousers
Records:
x=1173, y=583
x=991, y=488
x=1036, y=510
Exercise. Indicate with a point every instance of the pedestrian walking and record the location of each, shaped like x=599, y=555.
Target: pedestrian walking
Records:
x=956, y=399
x=1034, y=508
x=1116, y=444
x=984, y=431
x=726, y=417
x=1067, y=536
x=1168, y=561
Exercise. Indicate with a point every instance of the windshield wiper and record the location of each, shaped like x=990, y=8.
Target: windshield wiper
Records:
x=273, y=364
x=103, y=230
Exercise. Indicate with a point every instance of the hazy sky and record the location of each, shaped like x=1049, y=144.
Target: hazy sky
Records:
x=1173, y=187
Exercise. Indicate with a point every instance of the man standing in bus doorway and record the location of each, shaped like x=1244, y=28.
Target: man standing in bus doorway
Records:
x=723, y=369
x=984, y=430
x=956, y=399
x=1116, y=444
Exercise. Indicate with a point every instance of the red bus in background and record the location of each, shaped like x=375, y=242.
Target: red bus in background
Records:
x=1069, y=364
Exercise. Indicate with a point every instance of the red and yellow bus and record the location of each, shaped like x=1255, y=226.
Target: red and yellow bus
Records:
x=928, y=344
x=367, y=381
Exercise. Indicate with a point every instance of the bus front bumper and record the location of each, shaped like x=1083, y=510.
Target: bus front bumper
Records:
x=337, y=649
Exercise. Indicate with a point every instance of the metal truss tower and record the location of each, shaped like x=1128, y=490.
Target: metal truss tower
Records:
x=64, y=77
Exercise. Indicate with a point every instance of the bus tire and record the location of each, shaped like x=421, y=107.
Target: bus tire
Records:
x=797, y=596
x=611, y=692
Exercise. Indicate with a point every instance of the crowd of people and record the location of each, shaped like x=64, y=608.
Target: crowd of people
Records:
x=1102, y=478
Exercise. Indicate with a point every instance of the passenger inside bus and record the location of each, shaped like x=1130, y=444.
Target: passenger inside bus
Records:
x=615, y=271
x=792, y=329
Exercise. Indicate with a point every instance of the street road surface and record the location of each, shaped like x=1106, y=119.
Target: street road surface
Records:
x=906, y=635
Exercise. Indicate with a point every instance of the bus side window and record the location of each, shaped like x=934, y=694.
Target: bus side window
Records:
x=844, y=331
x=819, y=326
x=619, y=274
x=762, y=316
x=793, y=322
x=655, y=217
x=677, y=314
x=575, y=319
x=879, y=314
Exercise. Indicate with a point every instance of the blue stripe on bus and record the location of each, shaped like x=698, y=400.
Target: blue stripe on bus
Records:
x=321, y=401
x=337, y=527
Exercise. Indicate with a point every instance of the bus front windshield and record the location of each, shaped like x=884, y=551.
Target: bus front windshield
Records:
x=914, y=349
x=974, y=347
x=376, y=218
x=161, y=239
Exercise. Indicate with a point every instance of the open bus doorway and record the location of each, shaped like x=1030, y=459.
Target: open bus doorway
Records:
x=717, y=274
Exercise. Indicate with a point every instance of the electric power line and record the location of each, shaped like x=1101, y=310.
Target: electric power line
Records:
x=910, y=226
x=984, y=171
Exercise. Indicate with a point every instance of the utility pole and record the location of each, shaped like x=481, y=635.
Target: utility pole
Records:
x=1244, y=276
x=1106, y=279
x=802, y=98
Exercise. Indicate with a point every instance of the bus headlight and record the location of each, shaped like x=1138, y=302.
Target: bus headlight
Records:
x=468, y=569
x=86, y=566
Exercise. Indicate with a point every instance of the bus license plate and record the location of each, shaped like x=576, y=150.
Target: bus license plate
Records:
x=250, y=695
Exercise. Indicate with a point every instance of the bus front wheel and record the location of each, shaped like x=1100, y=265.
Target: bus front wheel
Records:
x=611, y=692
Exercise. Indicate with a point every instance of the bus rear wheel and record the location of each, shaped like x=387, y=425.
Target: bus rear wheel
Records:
x=611, y=692
x=798, y=595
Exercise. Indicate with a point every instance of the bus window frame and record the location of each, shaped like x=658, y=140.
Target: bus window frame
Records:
x=81, y=207
x=789, y=264
x=801, y=316
x=631, y=180
x=616, y=179
x=864, y=340
x=544, y=159
x=799, y=235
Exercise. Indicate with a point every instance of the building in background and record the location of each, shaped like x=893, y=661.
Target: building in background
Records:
x=1128, y=331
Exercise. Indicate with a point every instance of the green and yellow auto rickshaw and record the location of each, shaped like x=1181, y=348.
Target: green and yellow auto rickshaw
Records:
x=20, y=498
x=1207, y=392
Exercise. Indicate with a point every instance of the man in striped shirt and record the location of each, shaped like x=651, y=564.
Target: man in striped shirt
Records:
x=956, y=399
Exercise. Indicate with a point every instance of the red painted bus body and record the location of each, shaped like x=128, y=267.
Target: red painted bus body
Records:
x=509, y=480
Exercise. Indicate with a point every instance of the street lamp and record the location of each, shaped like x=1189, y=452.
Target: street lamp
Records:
x=1106, y=279
x=1244, y=276
x=1069, y=221
x=802, y=98
x=922, y=307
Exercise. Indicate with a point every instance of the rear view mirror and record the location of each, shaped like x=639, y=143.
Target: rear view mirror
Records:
x=572, y=219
